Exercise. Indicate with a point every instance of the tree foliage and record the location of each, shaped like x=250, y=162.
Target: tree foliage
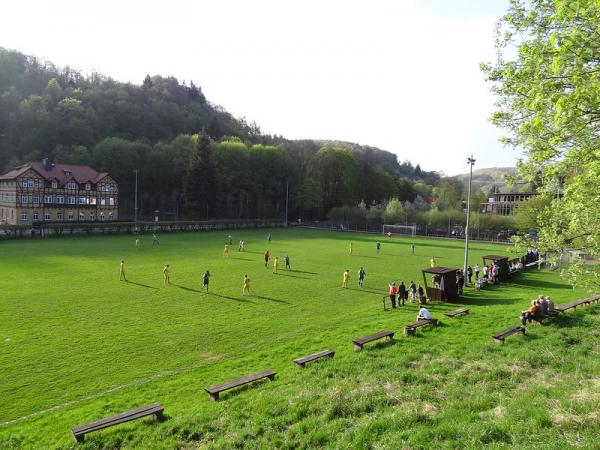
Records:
x=549, y=103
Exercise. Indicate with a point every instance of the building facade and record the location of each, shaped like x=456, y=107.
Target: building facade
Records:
x=42, y=191
x=505, y=204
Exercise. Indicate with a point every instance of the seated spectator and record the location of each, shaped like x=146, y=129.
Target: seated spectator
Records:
x=424, y=314
x=544, y=304
x=550, y=304
x=530, y=313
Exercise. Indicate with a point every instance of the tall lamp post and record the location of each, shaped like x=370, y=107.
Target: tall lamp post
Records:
x=471, y=162
x=135, y=206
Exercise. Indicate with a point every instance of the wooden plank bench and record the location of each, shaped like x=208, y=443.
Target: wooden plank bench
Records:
x=154, y=409
x=457, y=312
x=359, y=342
x=517, y=329
x=214, y=391
x=300, y=362
x=410, y=329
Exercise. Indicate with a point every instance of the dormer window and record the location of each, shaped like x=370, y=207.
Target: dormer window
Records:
x=71, y=185
x=88, y=186
x=54, y=184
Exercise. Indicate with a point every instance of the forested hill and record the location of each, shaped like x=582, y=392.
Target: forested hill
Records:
x=194, y=158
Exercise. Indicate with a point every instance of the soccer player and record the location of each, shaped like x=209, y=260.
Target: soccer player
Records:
x=122, y=271
x=346, y=279
x=361, y=276
x=287, y=263
x=350, y=249
x=389, y=235
x=226, y=251
x=378, y=247
x=266, y=256
x=242, y=245
x=412, y=249
x=269, y=238
x=137, y=242
x=205, y=280
x=246, y=287
x=229, y=240
x=433, y=262
x=166, y=277
x=275, y=264
x=155, y=240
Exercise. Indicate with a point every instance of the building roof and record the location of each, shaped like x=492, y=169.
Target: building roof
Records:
x=60, y=172
x=495, y=257
x=439, y=270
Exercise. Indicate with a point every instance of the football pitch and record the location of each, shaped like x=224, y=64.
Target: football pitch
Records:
x=78, y=345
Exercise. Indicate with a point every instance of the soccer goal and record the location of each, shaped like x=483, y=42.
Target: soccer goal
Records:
x=410, y=230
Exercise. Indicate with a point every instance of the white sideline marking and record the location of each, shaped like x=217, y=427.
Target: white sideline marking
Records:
x=108, y=391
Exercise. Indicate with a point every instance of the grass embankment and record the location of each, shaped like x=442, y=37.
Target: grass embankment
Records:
x=75, y=337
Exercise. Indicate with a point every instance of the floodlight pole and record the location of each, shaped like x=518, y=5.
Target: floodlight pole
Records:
x=135, y=206
x=471, y=162
x=287, y=198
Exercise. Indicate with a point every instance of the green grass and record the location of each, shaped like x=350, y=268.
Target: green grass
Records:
x=80, y=345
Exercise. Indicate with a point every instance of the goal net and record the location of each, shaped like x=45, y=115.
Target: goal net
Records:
x=407, y=230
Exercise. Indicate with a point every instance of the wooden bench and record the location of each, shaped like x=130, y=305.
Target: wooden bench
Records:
x=517, y=329
x=532, y=264
x=322, y=354
x=410, y=329
x=358, y=343
x=457, y=312
x=154, y=409
x=214, y=391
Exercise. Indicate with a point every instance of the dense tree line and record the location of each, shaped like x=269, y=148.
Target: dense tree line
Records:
x=194, y=159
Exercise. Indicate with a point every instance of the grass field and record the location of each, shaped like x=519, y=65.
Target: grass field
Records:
x=78, y=345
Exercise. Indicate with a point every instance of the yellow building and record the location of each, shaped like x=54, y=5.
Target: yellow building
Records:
x=42, y=191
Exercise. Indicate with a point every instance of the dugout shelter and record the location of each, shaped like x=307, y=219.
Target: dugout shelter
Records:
x=446, y=288
x=501, y=261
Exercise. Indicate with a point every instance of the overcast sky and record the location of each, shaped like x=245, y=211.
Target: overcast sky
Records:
x=400, y=75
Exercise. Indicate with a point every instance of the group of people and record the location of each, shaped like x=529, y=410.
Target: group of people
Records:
x=399, y=293
x=538, y=309
x=267, y=257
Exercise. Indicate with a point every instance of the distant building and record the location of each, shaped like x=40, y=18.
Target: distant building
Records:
x=505, y=204
x=44, y=191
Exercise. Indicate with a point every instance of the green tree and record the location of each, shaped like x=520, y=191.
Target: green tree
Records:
x=549, y=103
x=394, y=212
x=200, y=184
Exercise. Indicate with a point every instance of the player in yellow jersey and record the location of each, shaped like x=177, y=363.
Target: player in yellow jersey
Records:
x=226, y=251
x=433, y=262
x=275, y=264
x=350, y=249
x=346, y=279
x=122, y=271
x=246, y=287
x=166, y=277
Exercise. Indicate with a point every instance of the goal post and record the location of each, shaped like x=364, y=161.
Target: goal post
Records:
x=406, y=230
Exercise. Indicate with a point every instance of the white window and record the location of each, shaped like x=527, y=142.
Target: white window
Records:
x=60, y=199
x=82, y=200
x=36, y=184
x=23, y=216
x=36, y=199
x=88, y=186
x=70, y=216
x=110, y=216
x=72, y=201
x=92, y=200
x=46, y=215
x=59, y=216
x=30, y=183
x=54, y=184
x=47, y=199
x=101, y=216
x=71, y=185
x=111, y=201
x=81, y=216
x=92, y=217
x=102, y=202
x=24, y=183
x=36, y=215
x=24, y=199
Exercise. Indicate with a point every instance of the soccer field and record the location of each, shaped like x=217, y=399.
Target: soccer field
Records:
x=78, y=345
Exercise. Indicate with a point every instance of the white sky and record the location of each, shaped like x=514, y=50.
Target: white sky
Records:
x=400, y=75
